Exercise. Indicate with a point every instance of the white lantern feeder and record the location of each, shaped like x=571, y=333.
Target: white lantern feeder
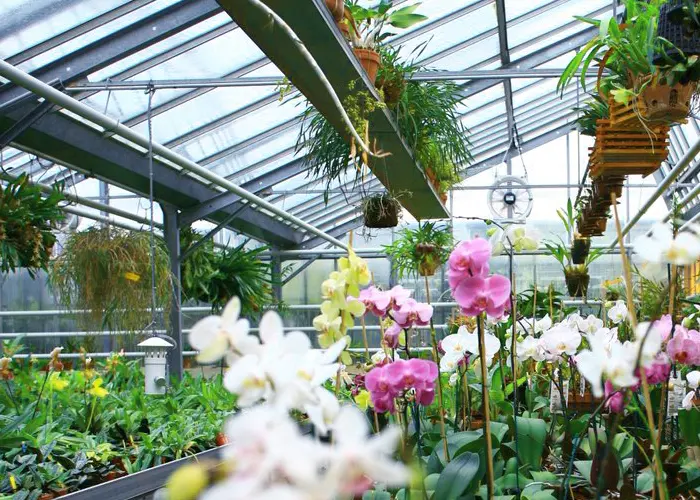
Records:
x=155, y=364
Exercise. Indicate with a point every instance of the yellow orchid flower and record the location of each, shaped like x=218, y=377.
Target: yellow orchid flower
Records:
x=333, y=289
x=363, y=400
x=97, y=390
x=357, y=272
x=56, y=383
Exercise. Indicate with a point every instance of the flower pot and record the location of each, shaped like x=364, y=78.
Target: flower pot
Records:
x=430, y=259
x=665, y=104
x=369, y=59
x=381, y=213
x=583, y=403
x=337, y=8
x=577, y=284
x=580, y=249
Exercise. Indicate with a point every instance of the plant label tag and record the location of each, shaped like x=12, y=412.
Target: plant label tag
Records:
x=582, y=388
x=676, y=393
x=555, y=397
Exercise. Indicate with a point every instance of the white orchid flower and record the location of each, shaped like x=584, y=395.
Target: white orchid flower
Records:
x=355, y=457
x=218, y=336
x=693, y=379
x=470, y=343
x=659, y=246
x=455, y=345
x=454, y=378
x=687, y=402
x=529, y=348
x=589, y=325
x=560, y=340
x=647, y=343
x=618, y=313
x=605, y=336
x=614, y=362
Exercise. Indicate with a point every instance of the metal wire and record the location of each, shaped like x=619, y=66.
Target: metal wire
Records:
x=152, y=254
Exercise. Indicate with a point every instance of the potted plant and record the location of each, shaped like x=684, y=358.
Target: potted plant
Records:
x=575, y=275
x=107, y=272
x=367, y=33
x=28, y=218
x=644, y=86
x=214, y=276
x=381, y=211
x=420, y=251
x=580, y=245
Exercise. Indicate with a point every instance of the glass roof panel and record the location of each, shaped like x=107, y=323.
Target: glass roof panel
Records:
x=28, y=23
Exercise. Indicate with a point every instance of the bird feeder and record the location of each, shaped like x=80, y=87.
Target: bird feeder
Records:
x=155, y=364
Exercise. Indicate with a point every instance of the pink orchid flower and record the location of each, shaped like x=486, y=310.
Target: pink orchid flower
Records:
x=376, y=301
x=664, y=325
x=391, y=336
x=399, y=295
x=380, y=389
x=412, y=313
x=476, y=295
x=470, y=259
x=684, y=347
x=659, y=370
x=615, y=400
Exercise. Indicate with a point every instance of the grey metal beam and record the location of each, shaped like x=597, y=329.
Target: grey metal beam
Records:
x=256, y=185
x=24, y=123
x=77, y=31
x=337, y=232
x=171, y=235
x=118, y=45
x=75, y=144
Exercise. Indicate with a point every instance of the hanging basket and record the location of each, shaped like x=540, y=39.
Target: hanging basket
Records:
x=392, y=90
x=369, y=59
x=580, y=248
x=622, y=150
x=671, y=27
x=429, y=255
x=381, y=212
x=577, y=284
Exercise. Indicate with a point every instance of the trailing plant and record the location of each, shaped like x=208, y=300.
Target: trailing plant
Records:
x=107, y=273
x=420, y=251
x=381, y=209
x=329, y=155
x=28, y=218
x=214, y=276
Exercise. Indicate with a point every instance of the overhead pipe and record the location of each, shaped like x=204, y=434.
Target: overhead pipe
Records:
x=667, y=181
x=41, y=89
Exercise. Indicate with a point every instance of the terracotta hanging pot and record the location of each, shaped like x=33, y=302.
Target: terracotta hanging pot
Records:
x=369, y=59
x=666, y=104
x=337, y=8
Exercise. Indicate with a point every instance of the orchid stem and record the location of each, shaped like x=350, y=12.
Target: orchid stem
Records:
x=364, y=339
x=633, y=319
x=487, y=411
x=436, y=359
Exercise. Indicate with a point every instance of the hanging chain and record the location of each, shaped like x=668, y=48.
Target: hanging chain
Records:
x=154, y=318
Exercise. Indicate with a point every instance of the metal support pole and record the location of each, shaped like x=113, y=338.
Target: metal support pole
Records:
x=276, y=271
x=172, y=241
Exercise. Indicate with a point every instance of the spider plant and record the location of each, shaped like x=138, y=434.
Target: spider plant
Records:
x=215, y=276
x=420, y=251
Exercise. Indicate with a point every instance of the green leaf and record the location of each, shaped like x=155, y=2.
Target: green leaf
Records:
x=689, y=422
x=584, y=467
x=687, y=486
x=531, y=436
x=460, y=475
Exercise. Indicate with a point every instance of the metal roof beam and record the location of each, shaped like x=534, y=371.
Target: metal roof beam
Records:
x=257, y=186
x=76, y=144
x=336, y=232
x=118, y=45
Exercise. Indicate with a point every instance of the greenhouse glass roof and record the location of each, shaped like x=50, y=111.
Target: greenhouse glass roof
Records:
x=217, y=103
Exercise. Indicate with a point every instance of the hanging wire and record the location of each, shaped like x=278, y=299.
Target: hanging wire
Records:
x=154, y=312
